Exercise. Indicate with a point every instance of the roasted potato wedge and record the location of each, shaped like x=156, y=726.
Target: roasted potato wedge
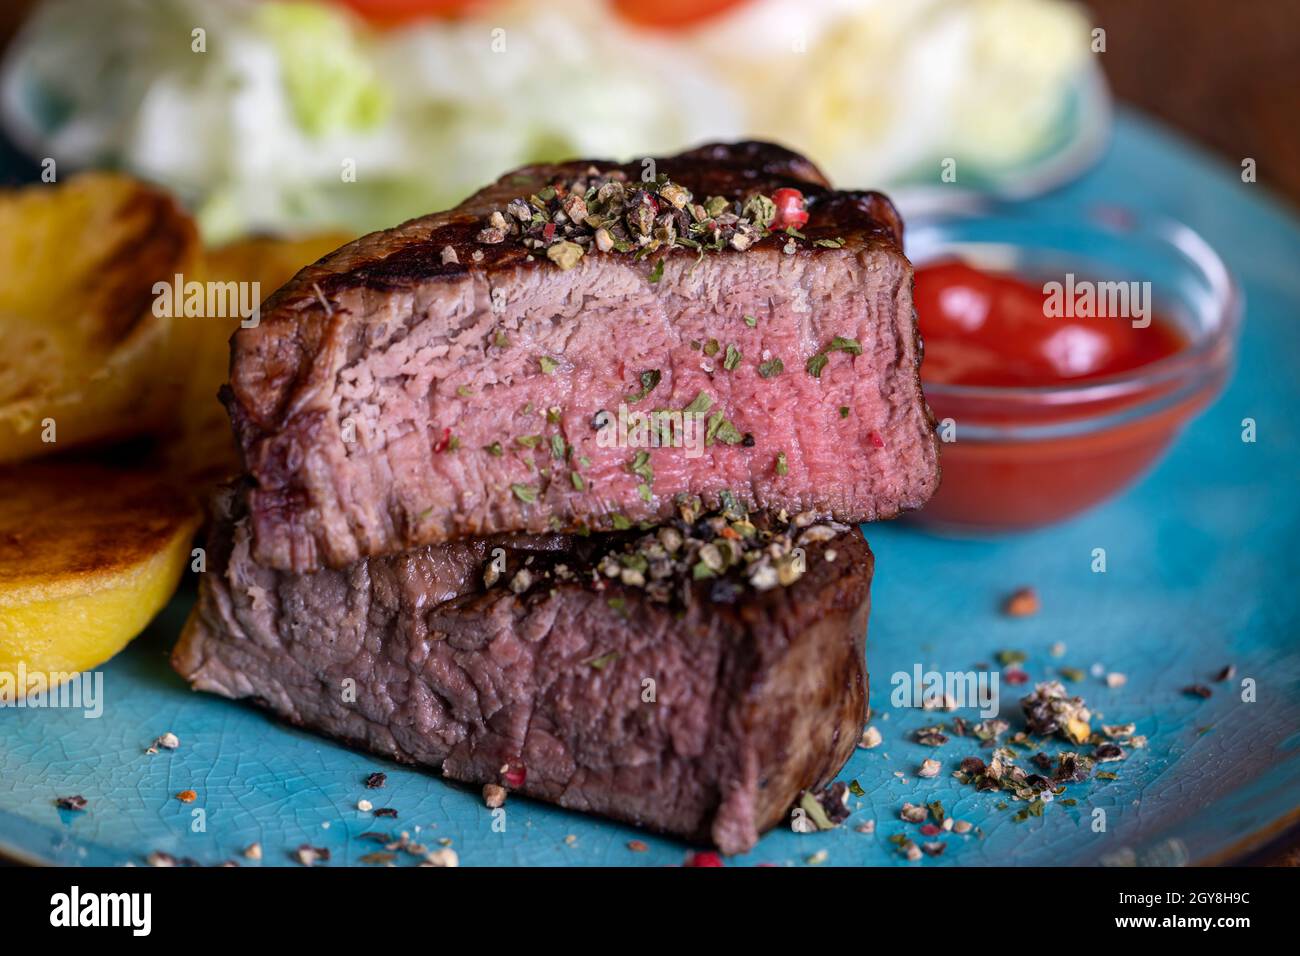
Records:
x=202, y=344
x=83, y=349
x=89, y=553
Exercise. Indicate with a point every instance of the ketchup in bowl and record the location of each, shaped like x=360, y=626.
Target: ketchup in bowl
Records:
x=1045, y=409
x=982, y=328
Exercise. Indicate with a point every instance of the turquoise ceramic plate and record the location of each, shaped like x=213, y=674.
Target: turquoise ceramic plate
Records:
x=1201, y=574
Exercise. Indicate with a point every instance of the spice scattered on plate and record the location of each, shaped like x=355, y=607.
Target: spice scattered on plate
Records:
x=929, y=768
x=870, y=738
x=75, y=802
x=494, y=795
x=931, y=736
x=1198, y=690
x=446, y=857
x=365, y=806
x=168, y=741
x=1226, y=674
x=824, y=809
x=385, y=812
x=310, y=855
x=1114, y=679
x=911, y=813
x=253, y=851
x=1023, y=602
x=376, y=780
x=187, y=796
x=636, y=846
x=1050, y=710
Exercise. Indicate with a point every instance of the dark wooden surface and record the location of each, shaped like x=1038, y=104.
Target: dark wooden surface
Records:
x=1225, y=72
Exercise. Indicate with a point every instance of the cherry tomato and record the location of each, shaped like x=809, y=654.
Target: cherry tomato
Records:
x=790, y=211
x=671, y=14
x=984, y=328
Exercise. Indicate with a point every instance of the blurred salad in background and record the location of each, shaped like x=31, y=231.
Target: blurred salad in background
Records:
x=356, y=114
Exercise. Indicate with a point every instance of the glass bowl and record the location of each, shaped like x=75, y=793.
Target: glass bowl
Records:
x=1015, y=458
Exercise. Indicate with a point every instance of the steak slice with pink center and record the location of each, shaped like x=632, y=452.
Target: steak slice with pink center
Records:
x=603, y=673
x=448, y=378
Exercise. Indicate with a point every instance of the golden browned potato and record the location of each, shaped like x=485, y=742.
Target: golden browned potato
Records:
x=89, y=553
x=202, y=344
x=85, y=356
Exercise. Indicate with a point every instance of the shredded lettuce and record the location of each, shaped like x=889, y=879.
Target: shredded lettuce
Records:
x=327, y=75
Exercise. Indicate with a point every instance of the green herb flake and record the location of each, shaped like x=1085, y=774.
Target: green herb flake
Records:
x=579, y=483
x=816, y=364
x=619, y=522
x=495, y=449
x=640, y=466
x=841, y=344
x=464, y=391
x=528, y=441
x=855, y=788
x=720, y=429
x=712, y=347
x=649, y=380
x=771, y=368
x=604, y=660
x=844, y=411
x=644, y=491
x=657, y=272
x=548, y=364
x=835, y=243
x=751, y=321
x=557, y=446
x=701, y=571
x=525, y=493
x=732, y=358
x=782, y=467
x=699, y=405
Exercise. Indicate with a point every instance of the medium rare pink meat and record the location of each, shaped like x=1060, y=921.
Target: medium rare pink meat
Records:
x=472, y=372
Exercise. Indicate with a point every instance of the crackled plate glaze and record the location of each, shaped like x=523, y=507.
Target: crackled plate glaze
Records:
x=1201, y=572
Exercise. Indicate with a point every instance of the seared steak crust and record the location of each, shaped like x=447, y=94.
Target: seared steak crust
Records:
x=705, y=722
x=366, y=401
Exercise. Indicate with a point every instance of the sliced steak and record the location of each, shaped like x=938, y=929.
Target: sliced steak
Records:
x=700, y=708
x=447, y=377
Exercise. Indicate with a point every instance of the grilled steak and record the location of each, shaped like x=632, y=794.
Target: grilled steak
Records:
x=693, y=707
x=471, y=372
